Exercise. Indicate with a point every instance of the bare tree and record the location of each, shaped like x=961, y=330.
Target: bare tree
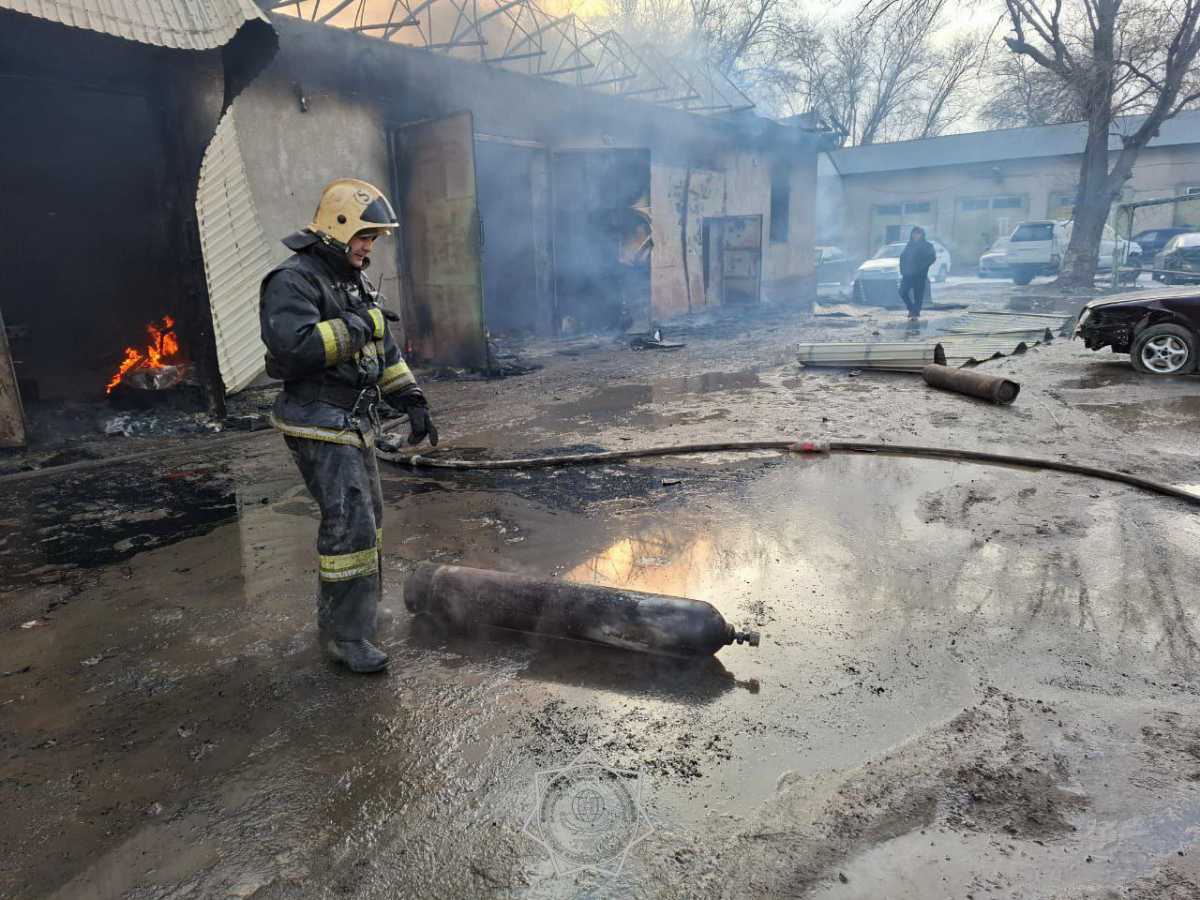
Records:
x=952, y=69
x=888, y=82
x=1118, y=56
x=1026, y=95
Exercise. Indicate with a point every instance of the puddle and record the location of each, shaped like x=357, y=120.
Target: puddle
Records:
x=1135, y=416
x=1106, y=376
x=618, y=399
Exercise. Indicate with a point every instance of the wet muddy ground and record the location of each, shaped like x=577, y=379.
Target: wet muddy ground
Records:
x=973, y=682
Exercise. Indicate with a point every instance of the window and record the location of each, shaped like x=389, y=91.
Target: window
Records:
x=781, y=195
x=1034, y=232
x=916, y=207
x=1061, y=201
x=1008, y=202
x=973, y=204
x=1191, y=191
x=890, y=209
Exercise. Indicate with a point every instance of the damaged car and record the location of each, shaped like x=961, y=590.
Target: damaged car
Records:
x=1159, y=330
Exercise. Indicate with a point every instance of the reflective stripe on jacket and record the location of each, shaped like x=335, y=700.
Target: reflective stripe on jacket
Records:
x=326, y=335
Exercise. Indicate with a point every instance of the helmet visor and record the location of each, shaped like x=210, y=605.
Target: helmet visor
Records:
x=379, y=212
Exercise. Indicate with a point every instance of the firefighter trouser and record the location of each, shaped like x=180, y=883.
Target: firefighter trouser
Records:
x=912, y=292
x=344, y=481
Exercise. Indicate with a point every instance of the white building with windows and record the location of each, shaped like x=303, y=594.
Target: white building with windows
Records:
x=967, y=190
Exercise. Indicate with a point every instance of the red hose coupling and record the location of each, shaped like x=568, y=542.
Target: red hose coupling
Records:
x=809, y=447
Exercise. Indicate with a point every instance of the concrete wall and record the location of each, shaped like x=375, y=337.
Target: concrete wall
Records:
x=290, y=155
x=1043, y=187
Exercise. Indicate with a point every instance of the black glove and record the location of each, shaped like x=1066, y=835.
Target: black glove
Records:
x=362, y=329
x=421, y=425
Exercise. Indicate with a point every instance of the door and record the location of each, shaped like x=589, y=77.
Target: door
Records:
x=741, y=259
x=435, y=178
x=732, y=259
x=602, y=246
x=12, y=417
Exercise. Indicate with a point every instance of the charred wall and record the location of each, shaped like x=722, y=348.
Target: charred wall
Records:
x=357, y=90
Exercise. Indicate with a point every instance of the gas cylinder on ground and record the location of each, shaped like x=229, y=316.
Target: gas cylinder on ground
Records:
x=467, y=599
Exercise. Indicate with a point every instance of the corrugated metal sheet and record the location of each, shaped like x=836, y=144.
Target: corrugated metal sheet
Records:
x=1032, y=324
x=970, y=349
x=236, y=257
x=912, y=356
x=906, y=356
x=181, y=24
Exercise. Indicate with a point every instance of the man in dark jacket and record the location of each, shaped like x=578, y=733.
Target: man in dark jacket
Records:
x=916, y=259
x=328, y=341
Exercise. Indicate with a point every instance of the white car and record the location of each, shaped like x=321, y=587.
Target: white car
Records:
x=994, y=261
x=886, y=263
x=1037, y=248
x=877, y=280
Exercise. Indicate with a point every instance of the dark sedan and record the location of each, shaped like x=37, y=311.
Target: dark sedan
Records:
x=1154, y=239
x=1180, y=260
x=1160, y=330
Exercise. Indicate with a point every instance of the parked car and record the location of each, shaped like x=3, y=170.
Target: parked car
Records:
x=877, y=280
x=834, y=266
x=1179, y=259
x=994, y=262
x=941, y=268
x=1037, y=248
x=1113, y=247
x=1160, y=330
x=1152, y=240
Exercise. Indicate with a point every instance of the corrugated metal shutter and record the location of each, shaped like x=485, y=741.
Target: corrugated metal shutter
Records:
x=236, y=257
x=181, y=24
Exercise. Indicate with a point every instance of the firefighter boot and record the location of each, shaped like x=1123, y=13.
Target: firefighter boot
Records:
x=359, y=656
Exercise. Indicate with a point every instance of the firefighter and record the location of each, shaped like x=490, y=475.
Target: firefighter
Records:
x=327, y=339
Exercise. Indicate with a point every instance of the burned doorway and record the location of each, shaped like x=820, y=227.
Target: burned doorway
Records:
x=733, y=259
x=514, y=206
x=92, y=261
x=601, y=239
x=440, y=240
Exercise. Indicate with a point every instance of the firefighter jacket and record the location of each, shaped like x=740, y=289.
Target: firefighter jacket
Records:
x=328, y=341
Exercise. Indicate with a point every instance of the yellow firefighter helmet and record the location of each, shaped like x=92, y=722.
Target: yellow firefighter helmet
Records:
x=349, y=207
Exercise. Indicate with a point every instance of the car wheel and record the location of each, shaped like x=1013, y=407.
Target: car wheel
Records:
x=1022, y=276
x=1164, y=350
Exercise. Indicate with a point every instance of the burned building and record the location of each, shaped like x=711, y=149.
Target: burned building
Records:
x=549, y=180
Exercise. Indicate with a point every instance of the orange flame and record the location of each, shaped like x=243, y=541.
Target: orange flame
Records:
x=163, y=346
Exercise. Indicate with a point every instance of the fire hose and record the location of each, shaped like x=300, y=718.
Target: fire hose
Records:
x=815, y=448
